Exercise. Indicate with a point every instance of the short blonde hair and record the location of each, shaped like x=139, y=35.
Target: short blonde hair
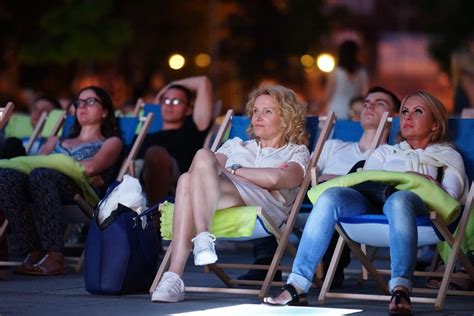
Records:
x=440, y=116
x=291, y=111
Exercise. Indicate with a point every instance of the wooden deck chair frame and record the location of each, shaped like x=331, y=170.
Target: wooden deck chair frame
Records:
x=282, y=236
x=40, y=125
x=5, y=114
x=38, y=128
x=438, y=301
x=313, y=175
x=214, y=126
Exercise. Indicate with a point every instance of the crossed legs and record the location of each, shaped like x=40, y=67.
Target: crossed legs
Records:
x=201, y=191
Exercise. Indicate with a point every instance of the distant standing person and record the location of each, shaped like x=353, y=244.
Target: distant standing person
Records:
x=347, y=81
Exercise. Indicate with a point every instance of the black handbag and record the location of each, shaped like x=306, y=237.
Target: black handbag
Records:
x=376, y=192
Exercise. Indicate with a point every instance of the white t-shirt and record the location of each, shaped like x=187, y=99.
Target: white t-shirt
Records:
x=425, y=161
x=338, y=157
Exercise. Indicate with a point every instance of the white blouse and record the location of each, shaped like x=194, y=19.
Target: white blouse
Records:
x=251, y=155
x=401, y=157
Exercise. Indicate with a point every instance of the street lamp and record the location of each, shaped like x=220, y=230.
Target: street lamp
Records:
x=176, y=61
x=325, y=62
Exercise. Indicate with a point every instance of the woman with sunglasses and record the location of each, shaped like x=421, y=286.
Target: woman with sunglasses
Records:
x=33, y=202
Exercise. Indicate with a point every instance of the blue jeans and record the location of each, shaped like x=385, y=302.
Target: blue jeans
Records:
x=401, y=209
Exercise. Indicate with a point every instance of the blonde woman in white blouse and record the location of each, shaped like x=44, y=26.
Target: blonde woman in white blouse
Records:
x=264, y=171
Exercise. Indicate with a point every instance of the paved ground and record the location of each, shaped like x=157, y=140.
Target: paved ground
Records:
x=65, y=295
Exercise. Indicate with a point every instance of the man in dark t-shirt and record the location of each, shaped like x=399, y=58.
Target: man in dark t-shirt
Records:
x=186, y=109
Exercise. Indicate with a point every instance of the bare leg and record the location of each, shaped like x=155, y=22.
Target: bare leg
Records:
x=210, y=191
x=183, y=226
x=199, y=193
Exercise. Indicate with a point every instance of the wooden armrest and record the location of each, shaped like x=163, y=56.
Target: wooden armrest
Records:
x=84, y=206
x=314, y=176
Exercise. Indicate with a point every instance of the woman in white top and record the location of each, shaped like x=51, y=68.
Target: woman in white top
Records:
x=264, y=171
x=422, y=150
x=347, y=81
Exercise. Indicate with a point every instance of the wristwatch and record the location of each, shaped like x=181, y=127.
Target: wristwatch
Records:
x=234, y=167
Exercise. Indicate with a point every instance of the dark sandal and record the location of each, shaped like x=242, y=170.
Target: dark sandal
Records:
x=398, y=295
x=460, y=284
x=435, y=282
x=296, y=299
x=40, y=269
x=27, y=265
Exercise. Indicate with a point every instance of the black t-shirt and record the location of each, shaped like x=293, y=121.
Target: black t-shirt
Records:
x=181, y=143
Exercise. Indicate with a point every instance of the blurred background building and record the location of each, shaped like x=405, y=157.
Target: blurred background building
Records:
x=132, y=48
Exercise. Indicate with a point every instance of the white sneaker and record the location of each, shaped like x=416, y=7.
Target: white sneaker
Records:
x=204, y=251
x=170, y=289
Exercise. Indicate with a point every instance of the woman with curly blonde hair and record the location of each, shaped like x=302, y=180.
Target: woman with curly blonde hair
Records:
x=265, y=170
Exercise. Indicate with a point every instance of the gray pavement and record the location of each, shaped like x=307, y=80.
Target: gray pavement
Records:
x=65, y=295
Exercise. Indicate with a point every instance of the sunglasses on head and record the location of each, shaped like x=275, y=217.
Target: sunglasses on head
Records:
x=79, y=103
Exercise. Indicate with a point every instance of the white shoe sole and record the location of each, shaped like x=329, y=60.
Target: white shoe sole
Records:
x=158, y=298
x=204, y=258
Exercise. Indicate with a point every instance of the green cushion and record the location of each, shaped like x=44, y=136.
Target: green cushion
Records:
x=53, y=117
x=229, y=223
x=19, y=126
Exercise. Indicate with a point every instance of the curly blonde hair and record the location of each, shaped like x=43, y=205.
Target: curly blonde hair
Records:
x=440, y=116
x=291, y=111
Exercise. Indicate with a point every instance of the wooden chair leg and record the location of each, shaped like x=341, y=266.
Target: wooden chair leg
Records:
x=355, y=248
x=165, y=263
x=3, y=228
x=331, y=270
x=365, y=274
x=80, y=262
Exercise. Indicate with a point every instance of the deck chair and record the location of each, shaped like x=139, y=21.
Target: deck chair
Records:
x=138, y=107
x=345, y=130
x=48, y=125
x=54, y=127
x=5, y=114
x=214, y=125
x=431, y=230
x=157, y=122
x=281, y=234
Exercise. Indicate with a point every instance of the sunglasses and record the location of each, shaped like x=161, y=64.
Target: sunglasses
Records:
x=174, y=101
x=90, y=102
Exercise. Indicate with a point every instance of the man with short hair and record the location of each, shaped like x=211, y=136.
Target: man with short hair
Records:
x=186, y=110
x=337, y=158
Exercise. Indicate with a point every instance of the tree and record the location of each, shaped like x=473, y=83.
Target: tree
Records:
x=78, y=31
x=450, y=25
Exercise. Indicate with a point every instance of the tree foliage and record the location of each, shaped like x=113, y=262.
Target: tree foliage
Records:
x=449, y=23
x=77, y=31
